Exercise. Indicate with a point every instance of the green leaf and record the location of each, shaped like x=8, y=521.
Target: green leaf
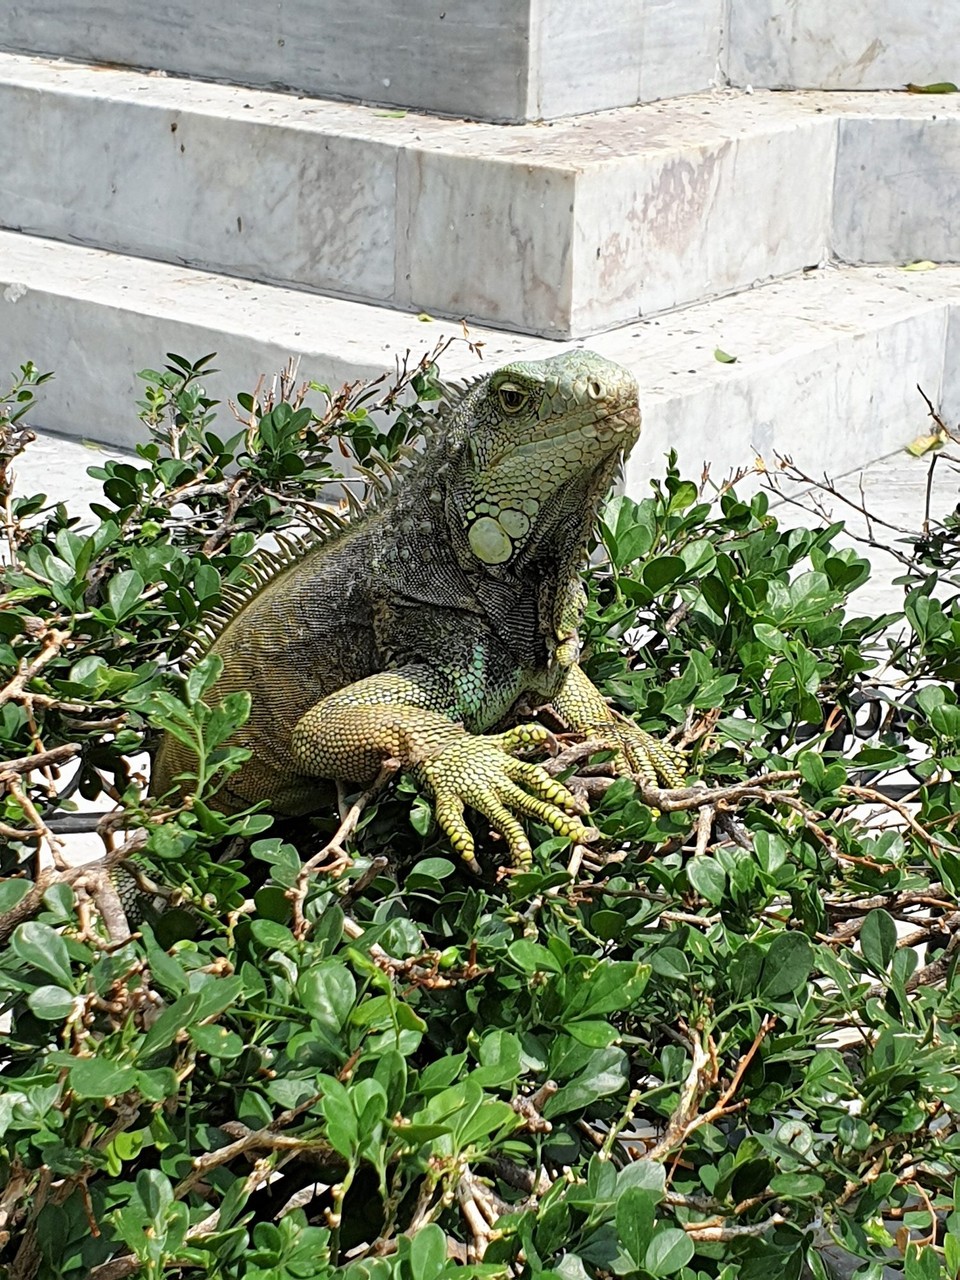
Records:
x=499, y=1055
x=328, y=992
x=13, y=892
x=604, y=1074
x=797, y=1185
x=668, y=1251
x=634, y=1217
x=878, y=938
x=939, y=86
x=608, y=925
x=174, y=1019
x=428, y=1252
x=658, y=574
x=723, y=358
x=531, y=957
x=744, y=970
x=708, y=878
x=52, y=1004
x=38, y=945
x=611, y=986
x=124, y=592
x=100, y=1078
x=202, y=677
x=217, y=1041
x=594, y=1034
x=670, y=962
x=787, y=966
x=158, y=1084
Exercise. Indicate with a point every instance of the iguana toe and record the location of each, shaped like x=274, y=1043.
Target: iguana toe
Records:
x=646, y=757
x=480, y=772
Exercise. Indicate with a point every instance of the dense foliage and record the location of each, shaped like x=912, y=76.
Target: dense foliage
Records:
x=721, y=1042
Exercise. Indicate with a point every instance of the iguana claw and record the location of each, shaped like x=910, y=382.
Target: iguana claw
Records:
x=644, y=756
x=483, y=772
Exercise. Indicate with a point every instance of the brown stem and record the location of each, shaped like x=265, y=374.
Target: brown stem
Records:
x=333, y=859
x=26, y=764
x=53, y=642
x=33, y=900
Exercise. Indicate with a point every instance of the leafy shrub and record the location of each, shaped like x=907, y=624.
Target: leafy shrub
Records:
x=721, y=1041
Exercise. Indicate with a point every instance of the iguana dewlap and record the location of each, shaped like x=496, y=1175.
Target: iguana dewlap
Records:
x=420, y=627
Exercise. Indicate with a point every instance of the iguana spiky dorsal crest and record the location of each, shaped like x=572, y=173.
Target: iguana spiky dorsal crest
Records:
x=265, y=564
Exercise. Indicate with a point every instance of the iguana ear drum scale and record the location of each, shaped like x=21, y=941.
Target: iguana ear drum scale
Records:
x=417, y=629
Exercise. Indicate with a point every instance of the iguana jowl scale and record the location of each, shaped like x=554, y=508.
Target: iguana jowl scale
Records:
x=429, y=619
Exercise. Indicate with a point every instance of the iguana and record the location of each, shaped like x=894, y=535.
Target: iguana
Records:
x=427, y=621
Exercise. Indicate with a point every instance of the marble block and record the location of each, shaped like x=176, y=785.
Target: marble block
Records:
x=565, y=230
x=177, y=180
x=826, y=372
x=502, y=60
x=707, y=212
x=458, y=57
x=681, y=47
x=949, y=404
x=489, y=239
x=498, y=60
x=860, y=44
x=897, y=187
x=560, y=229
x=583, y=57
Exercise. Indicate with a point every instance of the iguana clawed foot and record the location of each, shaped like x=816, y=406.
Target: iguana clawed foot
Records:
x=643, y=756
x=483, y=772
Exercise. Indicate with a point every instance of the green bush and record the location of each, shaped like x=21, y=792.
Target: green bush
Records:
x=707, y=1046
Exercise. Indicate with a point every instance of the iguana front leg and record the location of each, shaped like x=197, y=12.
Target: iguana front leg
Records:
x=580, y=703
x=410, y=715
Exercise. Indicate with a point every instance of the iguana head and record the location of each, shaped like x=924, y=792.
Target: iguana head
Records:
x=539, y=442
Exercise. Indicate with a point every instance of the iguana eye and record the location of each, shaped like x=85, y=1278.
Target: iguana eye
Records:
x=512, y=398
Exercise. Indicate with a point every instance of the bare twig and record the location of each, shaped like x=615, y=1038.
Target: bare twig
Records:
x=701, y=1077
x=41, y=832
x=878, y=797
x=333, y=859
x=705, y=819
x=32, y=902
x=529, y=1108
x=706, y=1232
x=53, y=642
x=26, y=764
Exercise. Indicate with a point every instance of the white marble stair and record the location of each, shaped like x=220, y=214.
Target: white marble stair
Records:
x=507, y=60
x=562, y=230
x=827, y=361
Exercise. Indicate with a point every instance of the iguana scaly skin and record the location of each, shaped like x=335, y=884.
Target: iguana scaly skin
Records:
x=432, y=617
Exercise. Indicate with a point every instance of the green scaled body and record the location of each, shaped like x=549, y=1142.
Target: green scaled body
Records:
x=424, y=625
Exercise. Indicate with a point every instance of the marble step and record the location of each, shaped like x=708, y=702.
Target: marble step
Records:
x=827, y=362
x=860, y=44
x=500, y=60
x=507, y=60
x=563, y=230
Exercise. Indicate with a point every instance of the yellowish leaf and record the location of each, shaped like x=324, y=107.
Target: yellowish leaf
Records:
x=941, y=86
x=926, y=444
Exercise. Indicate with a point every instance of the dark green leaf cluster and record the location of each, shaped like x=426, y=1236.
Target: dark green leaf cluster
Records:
x=722, y=1041
x=744, y=617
